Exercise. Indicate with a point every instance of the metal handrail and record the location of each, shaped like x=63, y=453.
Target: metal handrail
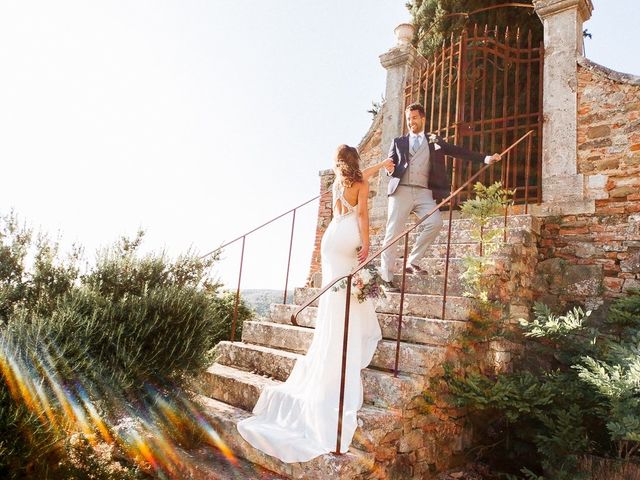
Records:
x=243, y=237
x=264, y=224
x=371, y=257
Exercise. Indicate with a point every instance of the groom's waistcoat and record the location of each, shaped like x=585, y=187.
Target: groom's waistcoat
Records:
x=417, y=172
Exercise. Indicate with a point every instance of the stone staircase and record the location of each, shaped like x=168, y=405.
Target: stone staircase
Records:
x=399, y=435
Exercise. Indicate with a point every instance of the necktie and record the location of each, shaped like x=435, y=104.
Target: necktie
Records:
x=416, y=145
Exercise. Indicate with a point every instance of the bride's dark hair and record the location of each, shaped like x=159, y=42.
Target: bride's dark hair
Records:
x=348, y=165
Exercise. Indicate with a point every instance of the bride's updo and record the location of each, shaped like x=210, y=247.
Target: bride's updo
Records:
x=348, y=165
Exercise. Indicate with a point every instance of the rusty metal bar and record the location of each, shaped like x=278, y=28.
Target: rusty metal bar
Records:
x=540, y=121
x=426, y=86
x=472, y=98
x=526, y=176
x=505, y=89
x=441, y=90
x=264, y=224
x=494, y=93
x=516, y=107
x=235, y=308
x=449, y=82
x=483, y=96
x=527, y=112
x=286, y=281
x=433, y=92
x=446, y=261
x=345, y=344
x=411, y=84
x=506, y=186
x=401, y=309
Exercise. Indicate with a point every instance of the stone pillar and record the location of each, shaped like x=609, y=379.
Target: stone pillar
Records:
x=563, y=188
x=399, y=62
x=325, y=214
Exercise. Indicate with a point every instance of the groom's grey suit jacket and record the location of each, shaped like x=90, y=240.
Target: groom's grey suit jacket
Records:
x=438, y=178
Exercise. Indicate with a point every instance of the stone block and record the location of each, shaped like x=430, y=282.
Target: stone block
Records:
x=411, y=442
x=631, y=263
x=598, y=131
x=584, y=280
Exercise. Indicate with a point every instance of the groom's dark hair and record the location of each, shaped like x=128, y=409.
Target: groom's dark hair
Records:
x=416, y=106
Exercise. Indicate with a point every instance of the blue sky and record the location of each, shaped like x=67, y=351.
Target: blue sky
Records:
x=197, y=120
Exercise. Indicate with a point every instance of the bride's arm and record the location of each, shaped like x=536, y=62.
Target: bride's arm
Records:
x=373, y=169
x=363, y=220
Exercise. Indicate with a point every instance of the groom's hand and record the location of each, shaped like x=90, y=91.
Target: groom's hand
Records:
x=494, y=158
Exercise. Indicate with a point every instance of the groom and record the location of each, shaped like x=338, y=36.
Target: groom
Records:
x=418, y=182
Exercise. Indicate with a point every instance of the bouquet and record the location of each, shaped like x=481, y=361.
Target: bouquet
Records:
x=366, y=283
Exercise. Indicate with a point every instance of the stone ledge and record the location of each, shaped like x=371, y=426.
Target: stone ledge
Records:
x=577, y=207
x=547, y=8
x=619, y=77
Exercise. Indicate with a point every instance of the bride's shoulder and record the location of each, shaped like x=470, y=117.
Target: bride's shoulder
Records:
x=360, y=186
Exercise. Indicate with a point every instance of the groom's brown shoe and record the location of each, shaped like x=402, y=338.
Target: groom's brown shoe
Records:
x=415, y=269
x=390, y=287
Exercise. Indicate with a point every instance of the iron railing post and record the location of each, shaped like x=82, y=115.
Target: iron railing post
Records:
x=526, y=177
x=446, y=262
x=345, y=343
x=401, y=309
x=506, y=187
x=286, y=281
x=235, y=308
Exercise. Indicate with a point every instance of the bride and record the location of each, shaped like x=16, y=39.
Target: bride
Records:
x=297, y=420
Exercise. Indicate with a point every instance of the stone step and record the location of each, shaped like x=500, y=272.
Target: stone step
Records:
x=415, y=304
x=223, y=419
x=439, y=250
x=380, y=388
x=414, y=329
x=241, y=389
x=414, y=358
x=418, y=284
x=431, y=282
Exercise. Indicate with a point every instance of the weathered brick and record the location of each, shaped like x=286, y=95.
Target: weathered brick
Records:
x=598, y=131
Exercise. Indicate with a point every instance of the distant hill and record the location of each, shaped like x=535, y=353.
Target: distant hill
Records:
x=260, y=299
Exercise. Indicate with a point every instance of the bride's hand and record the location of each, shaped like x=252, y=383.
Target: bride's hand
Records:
x=363, y=253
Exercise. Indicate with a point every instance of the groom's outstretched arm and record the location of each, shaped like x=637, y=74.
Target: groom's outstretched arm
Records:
x=461, y=152
x=466, y=154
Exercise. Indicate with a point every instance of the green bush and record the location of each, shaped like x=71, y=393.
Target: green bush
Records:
x=127, y=322
x=575, y=392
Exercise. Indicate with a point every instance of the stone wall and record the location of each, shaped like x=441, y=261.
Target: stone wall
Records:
x=593, y=258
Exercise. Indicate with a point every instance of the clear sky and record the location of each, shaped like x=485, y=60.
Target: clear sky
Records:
x=197, y=120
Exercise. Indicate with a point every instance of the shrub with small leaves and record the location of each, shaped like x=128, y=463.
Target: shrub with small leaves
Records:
x=128, y=321
x=575, y=392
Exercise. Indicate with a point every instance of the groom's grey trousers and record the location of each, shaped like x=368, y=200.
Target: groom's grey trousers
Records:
x=404, y=201
x=412, y=195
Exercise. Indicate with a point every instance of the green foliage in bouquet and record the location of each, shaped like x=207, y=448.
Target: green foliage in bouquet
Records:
x=575, y=392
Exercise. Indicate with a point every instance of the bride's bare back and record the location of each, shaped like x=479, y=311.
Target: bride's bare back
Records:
x=351, y=197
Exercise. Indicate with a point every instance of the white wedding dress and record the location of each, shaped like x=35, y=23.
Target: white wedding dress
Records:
x=297, y=420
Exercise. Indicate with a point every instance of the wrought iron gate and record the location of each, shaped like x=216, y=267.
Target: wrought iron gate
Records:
x=483, y=90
